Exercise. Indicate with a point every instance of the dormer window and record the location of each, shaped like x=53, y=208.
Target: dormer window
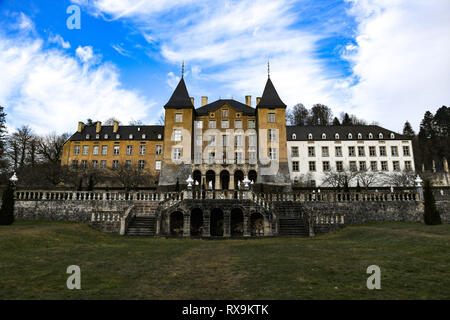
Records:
x=143, y=136
x=130, y=136
x=88, y=136
x=359, y=136
x=117, y=136
x=336, y=136
x=392, y=136
x=324, y=136
x=294, y=136
x=159, y=136
x=380, y=136
x=310, y=136
x=97, y=136
x=105, y=136
x=350, y=136
x=139, y=128
x=370, y=135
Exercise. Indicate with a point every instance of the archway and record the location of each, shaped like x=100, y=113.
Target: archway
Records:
x=197, y=176
x=237, y=223
x=252, y=175
x=196, y=222
x=224, y=179
x=210, y=176
x=216, y=223
x=256, y=224
x=238, y=176
x=176, y=223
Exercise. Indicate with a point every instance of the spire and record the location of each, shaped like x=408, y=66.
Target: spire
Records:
x=268, y=69
x=270, y=97
x=180, y=97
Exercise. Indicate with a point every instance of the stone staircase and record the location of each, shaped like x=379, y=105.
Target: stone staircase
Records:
x=292, y=218
x=142, y=226
x=293, y=227
x=145, y=208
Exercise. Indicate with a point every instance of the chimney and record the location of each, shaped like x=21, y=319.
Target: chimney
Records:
x=80, y=126
x=204, y=101
x=258, y=99
x=248, y=100
x=192, y=100
x=116, y=127
x=98, y=127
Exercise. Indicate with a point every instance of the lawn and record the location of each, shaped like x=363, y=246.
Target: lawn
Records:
x=414, y=261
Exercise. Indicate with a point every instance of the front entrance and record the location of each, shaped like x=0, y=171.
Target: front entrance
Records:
x=176, y=223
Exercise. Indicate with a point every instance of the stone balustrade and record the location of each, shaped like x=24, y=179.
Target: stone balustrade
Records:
x=105, y=217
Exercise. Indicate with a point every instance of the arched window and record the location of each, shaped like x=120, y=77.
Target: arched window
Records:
x=350, y=136
x=392, y=136
x=294, y=136
x=106, y=136
x=97, y=136
x=336, y=136
x=370, y=135
x=324, y=136
x=159, y=136
x=380, y=135
x=88, y=136
x=130, y=136
x=143, y=136
x=310, y=136
x=117, y=136
x=359, y=136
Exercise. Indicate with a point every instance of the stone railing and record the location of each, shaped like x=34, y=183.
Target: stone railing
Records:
x=105, y=217
x=341, y=196
x=126, y=219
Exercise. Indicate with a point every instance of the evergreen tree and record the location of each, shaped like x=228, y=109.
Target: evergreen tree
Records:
x=298, y=116
x=427, y=126
x=346, y=120
x=408, y=130
x=431, y=215
x=3, y=133
x=321, y=115
x=7, y=209
x=336, y=122
x=442, y=121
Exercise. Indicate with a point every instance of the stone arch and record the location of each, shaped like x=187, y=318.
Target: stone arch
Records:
x=225, y=179
x=256, y=224
x=216, y=222
x=238, y=176
x=210, y=176
x=237, y=222
x=197, y=176
x=252, y=175
x=196, y=222
x=176, y=223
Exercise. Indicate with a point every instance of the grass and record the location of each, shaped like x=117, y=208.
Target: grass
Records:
x=414, y=261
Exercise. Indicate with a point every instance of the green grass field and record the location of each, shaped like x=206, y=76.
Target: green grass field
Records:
x=414, y=261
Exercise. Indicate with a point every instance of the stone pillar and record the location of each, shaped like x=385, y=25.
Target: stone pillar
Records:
x=231, y=184
x=217, y=183
x=158, y=226
x=206, y=224
x=267, y=226
x=226, y=223
x=186, y=225
x=247, y=226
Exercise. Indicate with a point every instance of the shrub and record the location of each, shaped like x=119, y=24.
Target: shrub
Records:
x=7, y=209
x=431, y=215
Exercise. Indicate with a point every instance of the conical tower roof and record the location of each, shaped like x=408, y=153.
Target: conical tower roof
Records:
x=180, y=97
x=270, y=97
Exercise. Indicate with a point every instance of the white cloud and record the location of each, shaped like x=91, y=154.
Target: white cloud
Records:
x=172, y=80
x=401, y=60
x=60, y=41
x=50, y=90
x=121, y=50
x=85, y=54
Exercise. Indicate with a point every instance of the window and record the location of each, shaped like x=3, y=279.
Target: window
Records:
x=406, y=151
x=115, y=164
x=295, y=167
x=199, y=141
x=294, y=136
x=336, y=136
x=311, y=152
x=74, y=164
x=116, y=150
x=384, y=166
x=310, y=136
x=212, y=141
x=324, y=136
x=177, y=135
x=339, y=166
x=380, y=136
x=362, y=166
x=312, y=166
x=273, y=153
x=394, y=151
x=272, y=135
x=224, y=113
x=373, y=166
x=238, y=124
x=396, y=165
x=159, y=136
x=158, y=165
x=76, y=150
x=238, y=141
x=212, y=124
x=225, y=141
x=141, y=164
x=351, y=151
x=94, y=164
x=252, y=140
x=350, y=136
x=103, y=164
x=143, y=136
x=338, y=151
x=271, y=117
x=225, y=124
x=199, y=124
x=372, y=151
x=130, y=136
x=325, y=152
x=178, y=117
x=392, y=136
x=158, y=149
x=95, y=150
x=176, y=154
x=106, y=136
x=83, y=164
x=370, y=136
x=198, y=158
x=142, y=149
x=117, y=136
x=211, y=157
x=407, y=165
x=353, y=166
x=128, y=164
x=129, y=150
x=239, y=158
x=88, y=136
x=251, y=124
x=361, y=151
x=382, y=151
x=104, y=150
x=85, y=150
x=294, y=151
x=359, y=136
x=252, y=156
x=326, y=166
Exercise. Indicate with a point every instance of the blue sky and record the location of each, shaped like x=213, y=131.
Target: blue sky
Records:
x=385, y=60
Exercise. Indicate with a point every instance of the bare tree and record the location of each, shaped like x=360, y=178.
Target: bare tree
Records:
x=110, y=121
x=368, y=178
x=401, y=179
x=22, y=147
x=338, y=179
x=130, y=177
x=50, y=147
x=135, y=123
x=162, y=119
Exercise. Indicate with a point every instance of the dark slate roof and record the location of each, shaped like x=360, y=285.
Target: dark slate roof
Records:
x=236, y=105
x=343, y=131
x=270, y=97
x=180, y=97
x=151, y=133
